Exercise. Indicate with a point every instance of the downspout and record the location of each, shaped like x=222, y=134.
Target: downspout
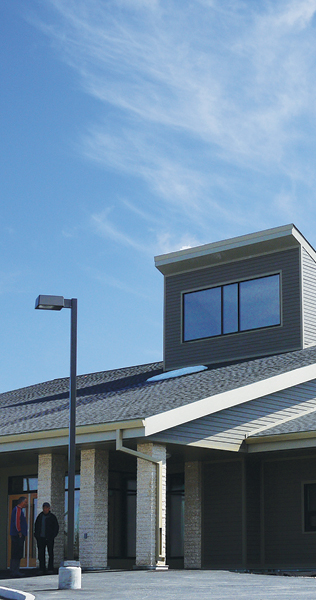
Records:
x=158, y=463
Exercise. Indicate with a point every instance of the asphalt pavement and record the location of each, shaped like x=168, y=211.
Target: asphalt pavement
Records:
x=170, y=585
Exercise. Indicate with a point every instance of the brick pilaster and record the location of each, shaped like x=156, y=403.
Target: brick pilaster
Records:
x=146, y=513
x=193, y=516
x=51, y=488
x=93, y=515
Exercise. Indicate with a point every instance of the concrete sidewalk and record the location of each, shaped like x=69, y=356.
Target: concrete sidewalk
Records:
x=170, y=585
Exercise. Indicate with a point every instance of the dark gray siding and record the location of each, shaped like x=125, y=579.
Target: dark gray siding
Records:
x=222, y=515
x=285, y=543
x=309, y=298
x=235, y=346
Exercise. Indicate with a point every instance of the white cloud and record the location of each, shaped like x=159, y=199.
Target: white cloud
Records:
x=192, y=92
x=104, y=227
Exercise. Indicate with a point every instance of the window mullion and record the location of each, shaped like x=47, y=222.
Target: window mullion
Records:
x=238, y=306
x=222, y=310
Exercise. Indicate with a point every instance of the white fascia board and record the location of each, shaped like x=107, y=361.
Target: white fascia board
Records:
x=86, y=434
x=290, y=443
x=213, y=404
x=230, y=244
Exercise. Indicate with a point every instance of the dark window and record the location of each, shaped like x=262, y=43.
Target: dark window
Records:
x=122, y=515
x=310, y=506
x=259, y=303
x=20, y=484
x=232, y=308
x=202, y=314
x=175, y=515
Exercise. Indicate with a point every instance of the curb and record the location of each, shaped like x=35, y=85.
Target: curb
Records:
x=15, y=594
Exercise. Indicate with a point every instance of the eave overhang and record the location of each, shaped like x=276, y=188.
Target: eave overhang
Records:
x=238, y=248
x=218, y=402
x=285, y=441
x=85, y=434
x=156, y=424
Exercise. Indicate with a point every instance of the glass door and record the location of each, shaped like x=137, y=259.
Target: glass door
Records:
x=29, y=555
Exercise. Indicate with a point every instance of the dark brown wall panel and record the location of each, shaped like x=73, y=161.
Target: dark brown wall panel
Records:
x=222, y=515
x=286, y=544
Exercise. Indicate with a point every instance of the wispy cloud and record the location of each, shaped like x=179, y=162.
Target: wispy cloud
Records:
x=193, y=90
x=159, y=240
x=104, y=227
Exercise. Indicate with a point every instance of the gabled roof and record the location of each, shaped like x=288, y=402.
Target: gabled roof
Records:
x=125, y=398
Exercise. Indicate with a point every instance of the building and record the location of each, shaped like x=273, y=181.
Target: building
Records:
x=206, y=460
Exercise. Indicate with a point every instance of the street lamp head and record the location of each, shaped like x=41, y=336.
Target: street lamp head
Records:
x=50, y=302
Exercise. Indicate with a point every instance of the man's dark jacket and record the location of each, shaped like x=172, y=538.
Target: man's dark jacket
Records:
x=51, y=526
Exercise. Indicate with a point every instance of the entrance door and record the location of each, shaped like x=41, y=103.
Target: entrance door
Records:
x=29, y=556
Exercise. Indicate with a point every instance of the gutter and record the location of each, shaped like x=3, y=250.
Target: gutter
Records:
x=158, y=463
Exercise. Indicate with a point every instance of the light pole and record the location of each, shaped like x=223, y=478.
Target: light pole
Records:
x=57, y=303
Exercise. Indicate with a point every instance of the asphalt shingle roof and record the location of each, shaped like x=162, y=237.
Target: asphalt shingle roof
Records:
x=125, y=394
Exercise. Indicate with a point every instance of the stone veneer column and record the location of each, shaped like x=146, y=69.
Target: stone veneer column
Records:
x=51, y=488
x=93, y=514
x=146, y=513
x=192, y=516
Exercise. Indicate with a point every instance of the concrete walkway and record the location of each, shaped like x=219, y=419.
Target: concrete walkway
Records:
x=170, y=585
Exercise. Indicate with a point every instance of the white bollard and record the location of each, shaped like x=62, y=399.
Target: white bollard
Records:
x=69, y=576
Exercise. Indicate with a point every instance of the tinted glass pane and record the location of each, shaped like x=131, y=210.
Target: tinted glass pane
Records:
x=230, y=308
x=176, y=526
x=259, y=303
x=202, y=314
x=77, y=481
x=311, y=496
x=131, y=524
x=310, y=506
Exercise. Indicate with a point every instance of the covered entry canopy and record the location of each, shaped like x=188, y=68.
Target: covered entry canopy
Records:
x=235, y=415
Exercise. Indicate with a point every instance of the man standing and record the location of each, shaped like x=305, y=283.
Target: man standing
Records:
x=18, y=533
x=45, y=530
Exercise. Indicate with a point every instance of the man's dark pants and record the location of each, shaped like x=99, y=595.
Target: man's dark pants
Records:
x=42, y=543
x=17, y=546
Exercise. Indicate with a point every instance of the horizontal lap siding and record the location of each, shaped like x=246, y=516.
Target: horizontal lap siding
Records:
x=229, y=427
x=235, y=346
x=222, y=515
x=309, y=299
x=285, y=543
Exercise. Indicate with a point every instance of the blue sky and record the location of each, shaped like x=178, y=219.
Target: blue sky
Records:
x=131, y=128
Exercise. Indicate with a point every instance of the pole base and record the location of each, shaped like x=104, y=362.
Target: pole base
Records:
x=69, y=578
x=150, y=567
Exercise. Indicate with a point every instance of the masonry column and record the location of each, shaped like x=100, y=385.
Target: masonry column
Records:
x=51, y=488
x=147, y=509
x=93, y=515
x=192, y=516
